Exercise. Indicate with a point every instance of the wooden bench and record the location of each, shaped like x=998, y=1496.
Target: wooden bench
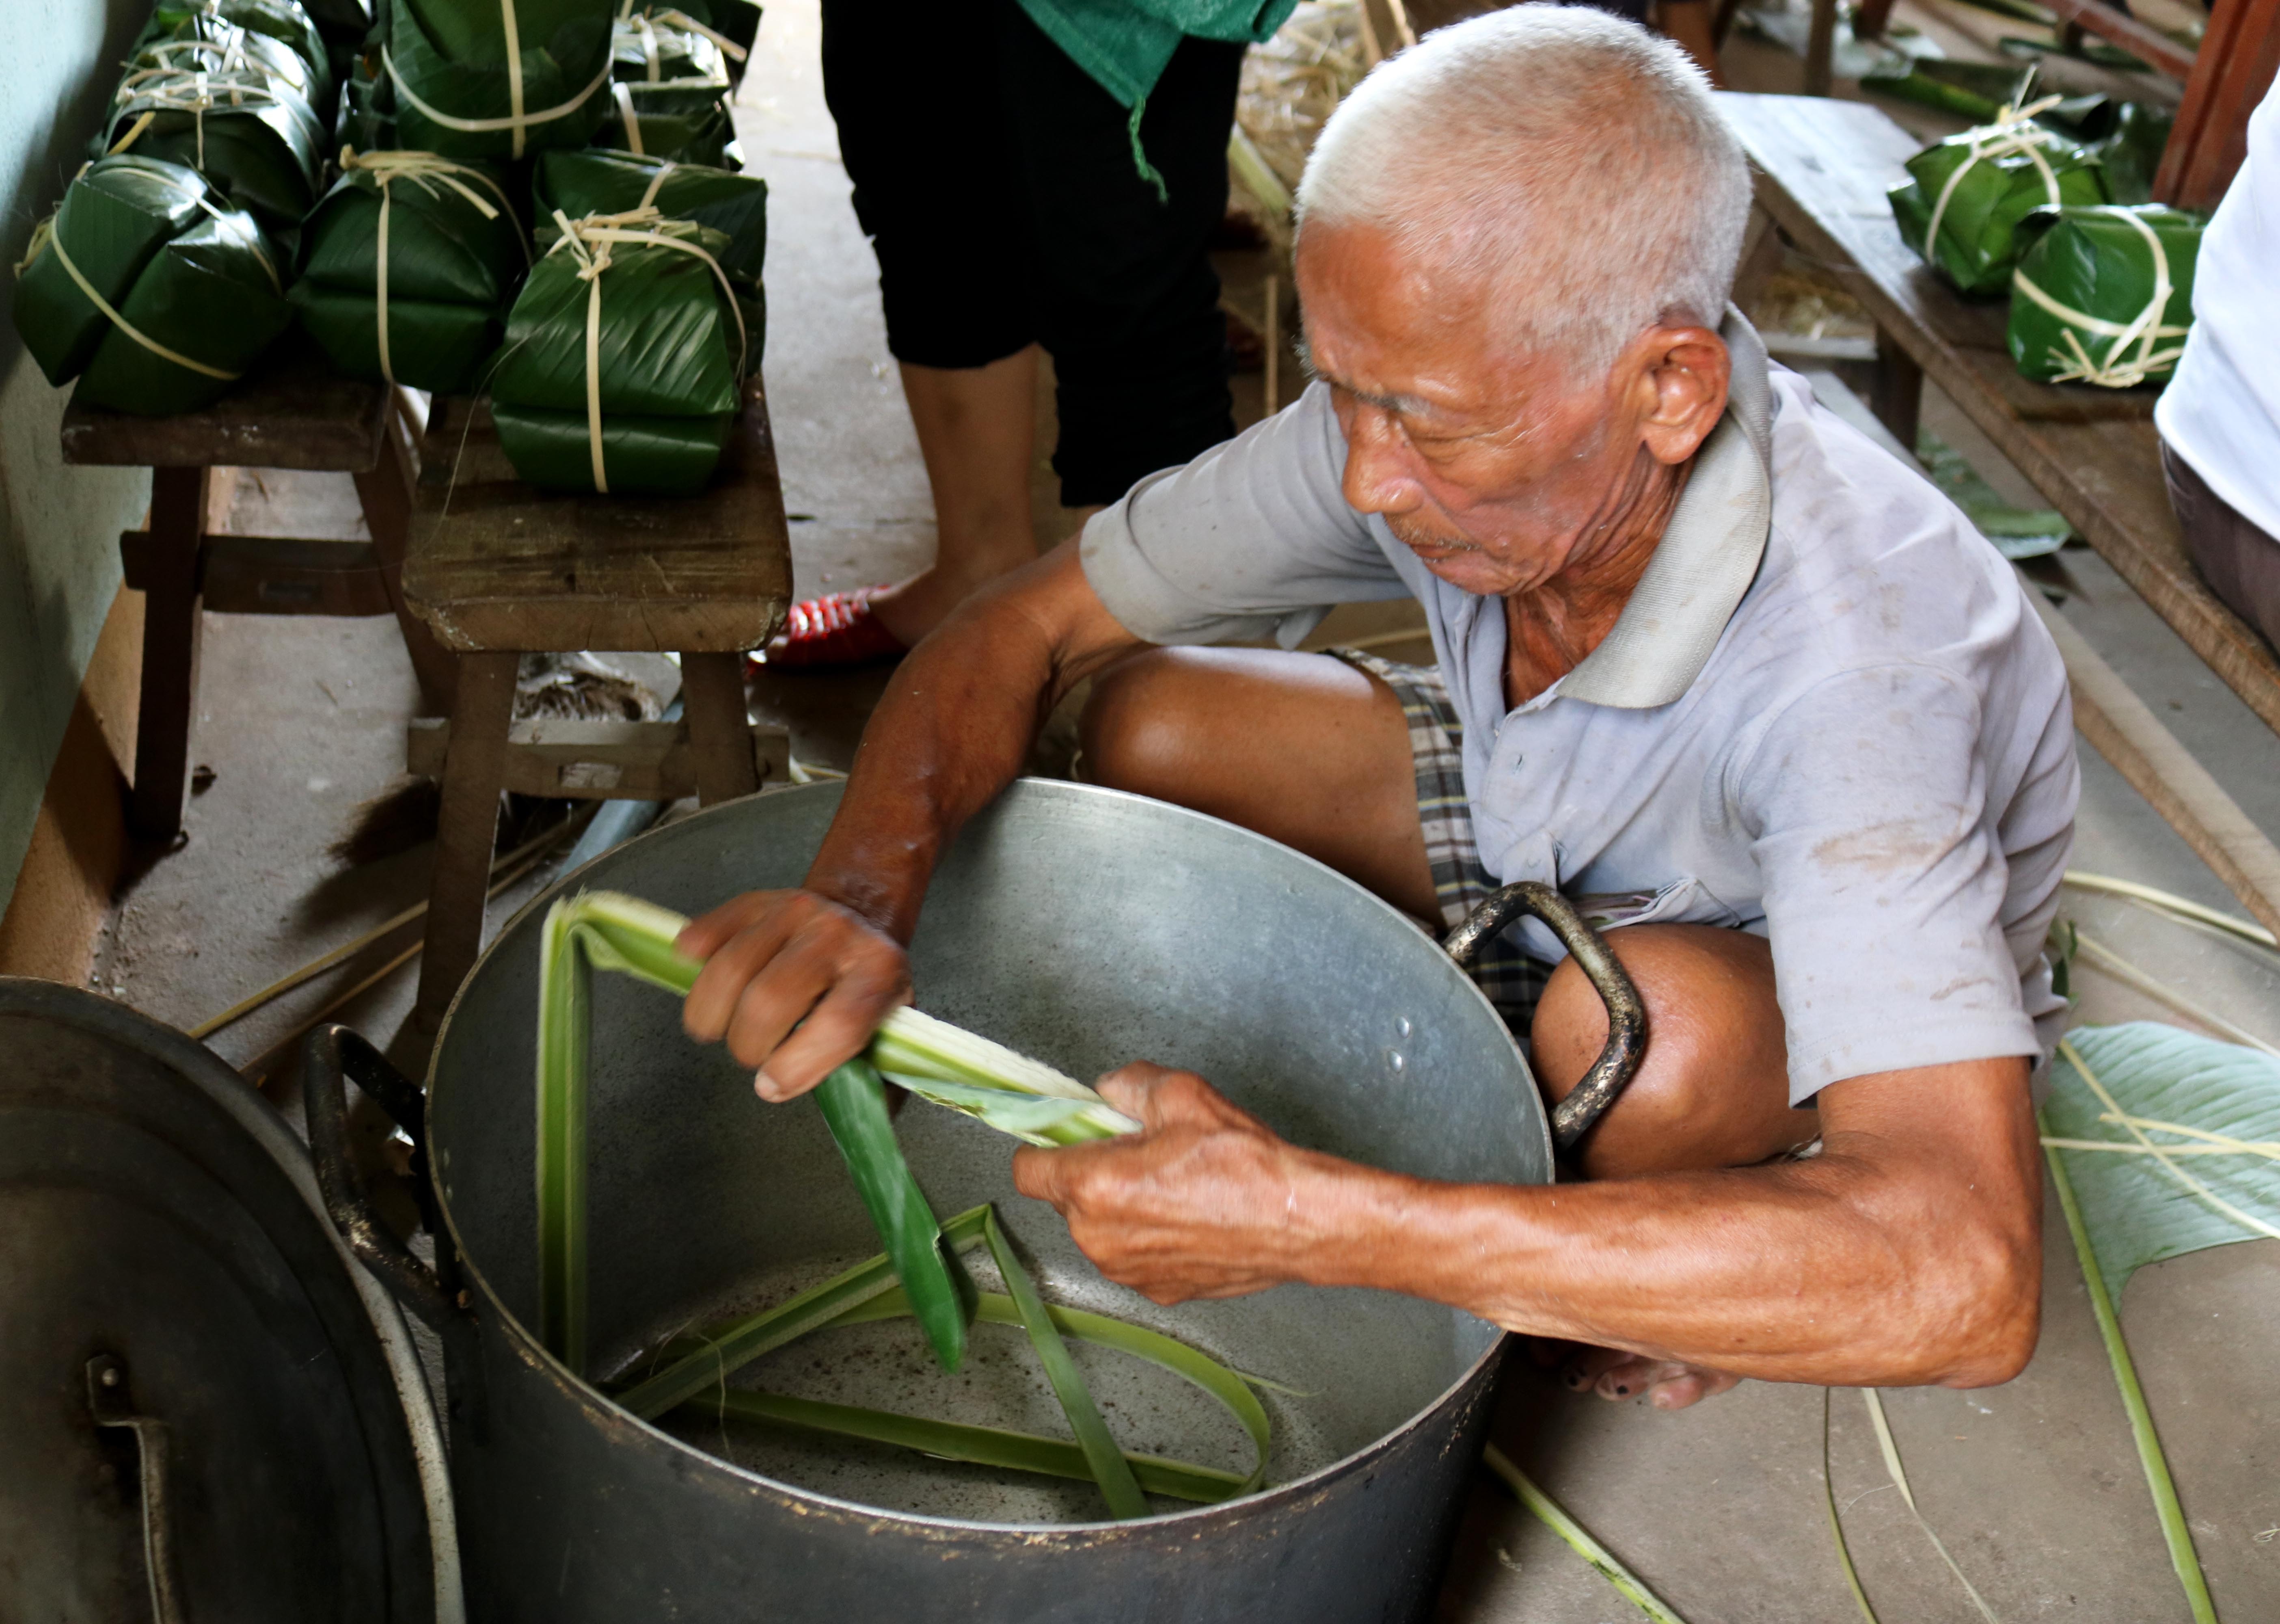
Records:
x=286, y=416
x=1822, y=169
x=499, y=569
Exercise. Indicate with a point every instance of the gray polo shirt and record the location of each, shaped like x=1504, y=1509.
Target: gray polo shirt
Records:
x=1828, y=714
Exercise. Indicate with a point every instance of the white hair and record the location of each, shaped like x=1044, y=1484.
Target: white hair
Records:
x=1565, y=161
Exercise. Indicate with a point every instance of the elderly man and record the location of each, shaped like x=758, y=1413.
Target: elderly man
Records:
x=1708, y=660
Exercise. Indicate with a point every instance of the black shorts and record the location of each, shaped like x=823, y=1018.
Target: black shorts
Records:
x=995, y=180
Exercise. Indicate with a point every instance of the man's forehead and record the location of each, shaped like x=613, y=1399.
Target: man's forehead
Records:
x=1404, y=329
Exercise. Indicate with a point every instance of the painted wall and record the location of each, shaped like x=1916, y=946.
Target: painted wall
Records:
x=58, y=527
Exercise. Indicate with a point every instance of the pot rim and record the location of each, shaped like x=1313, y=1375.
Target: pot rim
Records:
x=600, y=1405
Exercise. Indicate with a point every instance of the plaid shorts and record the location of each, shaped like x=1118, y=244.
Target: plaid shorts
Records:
x=1512, y=981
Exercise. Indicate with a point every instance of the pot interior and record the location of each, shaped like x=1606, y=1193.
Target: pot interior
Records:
x=1085, y=927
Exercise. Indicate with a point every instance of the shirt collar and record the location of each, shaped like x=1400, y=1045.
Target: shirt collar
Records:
x=1708, y=555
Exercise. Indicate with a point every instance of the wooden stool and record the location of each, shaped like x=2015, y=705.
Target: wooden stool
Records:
x=287, y=417
x=498, y=569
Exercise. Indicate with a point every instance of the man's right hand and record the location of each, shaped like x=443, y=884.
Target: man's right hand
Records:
x=776, y=960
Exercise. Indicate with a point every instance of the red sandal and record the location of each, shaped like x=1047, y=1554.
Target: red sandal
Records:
x=839, y=628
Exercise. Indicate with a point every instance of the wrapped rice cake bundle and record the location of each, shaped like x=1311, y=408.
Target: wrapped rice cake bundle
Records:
x=732, y=25
x=248, y=132
x=670, y=92
x=283, y=22
x=599, y=180
x=623, y=367
x=145, y=288
x=1961, y=205
x=2104, y=296
x=497, y=79
x=205, y=41
x=407, y=268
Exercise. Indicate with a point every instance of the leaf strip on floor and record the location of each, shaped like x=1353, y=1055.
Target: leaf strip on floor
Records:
x=1891, y=1450
x=1549, y=1511
x=2183, y=1558
x=1835, y=1526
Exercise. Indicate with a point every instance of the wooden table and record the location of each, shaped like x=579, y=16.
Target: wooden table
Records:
x=1823, y=168
x=288, y=415
x=498, y=569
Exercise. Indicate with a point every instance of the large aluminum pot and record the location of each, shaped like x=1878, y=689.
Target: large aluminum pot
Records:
x=1085, y=927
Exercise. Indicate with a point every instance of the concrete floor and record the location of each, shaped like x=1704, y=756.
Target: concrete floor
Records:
x=2034, y=1486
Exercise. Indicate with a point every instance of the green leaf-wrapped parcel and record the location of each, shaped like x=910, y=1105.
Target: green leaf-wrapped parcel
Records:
x=669, y=94
x=453, y=270
x=176, y=264
x=446, y=64
x=175, y=38
x=1965, y=196
x=670, y=366
x=2084, y=297
x=602, y=182
x=284, y=21
x=248, y=133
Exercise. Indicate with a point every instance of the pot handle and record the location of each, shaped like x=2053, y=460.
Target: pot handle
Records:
x=1626, y=1046
x=333, y=1056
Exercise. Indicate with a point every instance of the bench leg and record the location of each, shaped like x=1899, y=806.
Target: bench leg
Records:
x=171, y=624
x=1820, y=48
x=474, y=767
x=386, y=492
x=1896, y=390
x=720, y=726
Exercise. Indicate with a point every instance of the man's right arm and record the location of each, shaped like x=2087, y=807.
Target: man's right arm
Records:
x=954, y=727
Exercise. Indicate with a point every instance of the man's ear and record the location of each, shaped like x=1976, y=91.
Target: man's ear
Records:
x=1682, y=374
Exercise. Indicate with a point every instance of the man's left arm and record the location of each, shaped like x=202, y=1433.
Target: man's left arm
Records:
x=1907, y=1252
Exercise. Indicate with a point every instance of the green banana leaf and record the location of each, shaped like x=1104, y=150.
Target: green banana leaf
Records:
x=367, y=121
x=1989, y=183
x=201, y=39
x=604, y=181
x=2137, y=1210
x=251, y=136
x=2131, y=152
x=451, y=272
x=282, y=21
x=671, y=369
x=1970, y=89
x=2082, y=288
x=643, y=455
x=183, y=270
x=459, y=71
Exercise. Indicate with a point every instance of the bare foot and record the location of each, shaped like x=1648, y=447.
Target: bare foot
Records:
x=1616, y=1375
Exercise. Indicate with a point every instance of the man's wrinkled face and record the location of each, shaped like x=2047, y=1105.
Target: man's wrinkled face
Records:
x=1492, y=466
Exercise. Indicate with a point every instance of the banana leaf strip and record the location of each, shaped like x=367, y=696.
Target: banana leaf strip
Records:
x=446, y=64
x=252, y=135
x=284, y=21
x=648, y=299
x=599, y=181
x=2104, y=296
x=602, y=930
x=698, y=1377
x=147, y=288
x=454, y=253
x=1965, y=196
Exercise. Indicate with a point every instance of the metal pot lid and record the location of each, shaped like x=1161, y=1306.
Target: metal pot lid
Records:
x=208, y=1410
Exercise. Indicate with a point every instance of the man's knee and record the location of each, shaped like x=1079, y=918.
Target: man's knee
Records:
x=1713, y=1090
x=1137, y=728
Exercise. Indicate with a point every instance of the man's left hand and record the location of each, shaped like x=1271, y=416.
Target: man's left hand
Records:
x=1204, y=1202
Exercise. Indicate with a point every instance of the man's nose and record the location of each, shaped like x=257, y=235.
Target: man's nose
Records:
x=1375, y=479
